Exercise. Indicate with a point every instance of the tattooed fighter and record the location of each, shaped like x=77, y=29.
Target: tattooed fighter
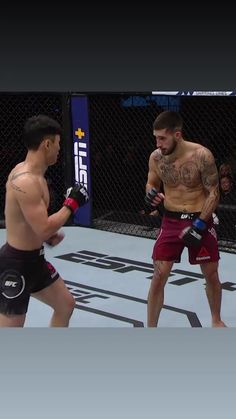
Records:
x=24, y=271
x=191, y=193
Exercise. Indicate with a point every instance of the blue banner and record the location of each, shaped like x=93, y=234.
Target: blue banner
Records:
x=80, y=126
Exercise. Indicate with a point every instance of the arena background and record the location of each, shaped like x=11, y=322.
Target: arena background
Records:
x=120, y=142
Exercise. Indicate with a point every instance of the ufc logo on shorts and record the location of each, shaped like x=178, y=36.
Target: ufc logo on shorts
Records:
x=184, y=216
x=10, y=284
x=213, y=232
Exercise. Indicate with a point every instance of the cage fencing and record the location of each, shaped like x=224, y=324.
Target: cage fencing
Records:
x=14, y=110
x=122, y=140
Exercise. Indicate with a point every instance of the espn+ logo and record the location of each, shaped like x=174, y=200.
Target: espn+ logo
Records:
x=80, y=158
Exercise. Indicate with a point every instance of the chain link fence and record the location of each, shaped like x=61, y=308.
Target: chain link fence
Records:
x=211, y=121
x=122, y=140
x=14, y=110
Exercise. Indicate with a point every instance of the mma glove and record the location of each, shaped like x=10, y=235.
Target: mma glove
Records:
x=76, y=197
x=192, y=235
x=150, y=195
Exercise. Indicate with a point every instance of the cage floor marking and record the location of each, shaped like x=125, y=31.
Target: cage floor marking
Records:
x=109, y=276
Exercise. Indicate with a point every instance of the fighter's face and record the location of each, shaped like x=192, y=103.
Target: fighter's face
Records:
x=166, y=140
x=52, y=149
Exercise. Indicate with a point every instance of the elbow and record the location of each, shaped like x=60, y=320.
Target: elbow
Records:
x=43, y=234
x=46, y=237
x=47, y=234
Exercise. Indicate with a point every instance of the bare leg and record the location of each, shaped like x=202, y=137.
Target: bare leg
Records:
x=60, y=299
x=12, y=320
x=213, y=292
x=156, y=291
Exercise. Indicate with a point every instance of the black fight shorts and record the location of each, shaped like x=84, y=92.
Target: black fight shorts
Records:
x=21, y=274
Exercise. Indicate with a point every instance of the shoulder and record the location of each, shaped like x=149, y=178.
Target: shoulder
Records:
x=155, y=156
x=203, y=153
x=23, y=181
x=15, y=169
x=196, y=147
x=22, y=176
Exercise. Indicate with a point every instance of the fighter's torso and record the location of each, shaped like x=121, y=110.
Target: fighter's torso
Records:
x=182, y=182
x=19, y=232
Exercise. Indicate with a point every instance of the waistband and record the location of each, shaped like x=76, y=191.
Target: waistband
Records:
x=181, y=215
x=9, y=250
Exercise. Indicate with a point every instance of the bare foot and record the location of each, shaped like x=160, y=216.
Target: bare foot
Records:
x=218, y=324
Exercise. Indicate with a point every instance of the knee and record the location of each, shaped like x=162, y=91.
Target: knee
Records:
x=158, y=282
x=210, y=272
x=212, y=277
x=69, y=304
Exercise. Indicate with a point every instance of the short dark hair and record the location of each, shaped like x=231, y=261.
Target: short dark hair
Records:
x=168, y=119
x=227, y=177
x=36, y=128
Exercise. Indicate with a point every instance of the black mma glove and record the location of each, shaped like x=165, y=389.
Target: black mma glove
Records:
x=76, y=197
x=150, y=195
x=192, y=235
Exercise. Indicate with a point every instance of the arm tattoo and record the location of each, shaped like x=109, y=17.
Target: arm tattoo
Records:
x=17, y=188
x=210, y=181
x=12, y=179
x=210, y=205
x=209, y=172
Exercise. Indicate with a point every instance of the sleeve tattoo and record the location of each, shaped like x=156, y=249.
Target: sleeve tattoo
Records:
x=210, y=181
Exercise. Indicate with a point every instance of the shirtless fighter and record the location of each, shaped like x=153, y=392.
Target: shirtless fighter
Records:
x=24, y=272
x=191, y=194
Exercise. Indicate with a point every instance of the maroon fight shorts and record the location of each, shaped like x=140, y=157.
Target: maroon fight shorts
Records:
x=169, y=247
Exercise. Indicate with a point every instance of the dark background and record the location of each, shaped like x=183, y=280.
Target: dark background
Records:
x=174, y=373
x=121, y=140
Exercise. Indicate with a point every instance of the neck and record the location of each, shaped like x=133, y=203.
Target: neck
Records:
x=177, y=151
x=35, y=162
